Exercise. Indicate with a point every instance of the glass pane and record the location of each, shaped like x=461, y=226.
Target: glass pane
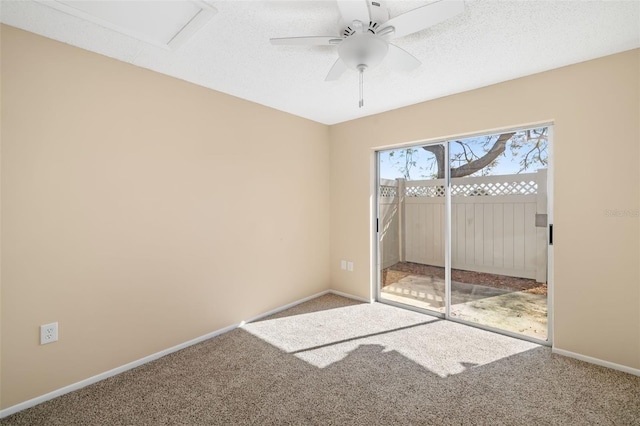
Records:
x=412, y=226
x=498, y=231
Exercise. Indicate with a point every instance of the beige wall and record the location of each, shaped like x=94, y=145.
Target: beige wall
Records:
x=140, y=212
x=595, y=109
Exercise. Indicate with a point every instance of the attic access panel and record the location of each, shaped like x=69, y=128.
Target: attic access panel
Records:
x=165, y=24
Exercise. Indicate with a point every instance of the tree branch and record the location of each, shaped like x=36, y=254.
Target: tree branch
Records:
x=498, y=148
x=471, y=167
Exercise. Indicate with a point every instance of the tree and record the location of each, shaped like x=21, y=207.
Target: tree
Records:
x=473, y=162
x=528, y=148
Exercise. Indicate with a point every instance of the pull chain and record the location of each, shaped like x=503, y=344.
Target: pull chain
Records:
x=361, y=68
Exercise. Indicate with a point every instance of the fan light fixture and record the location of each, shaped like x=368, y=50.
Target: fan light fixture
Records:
x=360, y=52
x=363, y=49
x=365, y=32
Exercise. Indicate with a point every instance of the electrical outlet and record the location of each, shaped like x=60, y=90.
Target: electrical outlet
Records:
x=350, y=266
x=48, y=333
x=343, y=264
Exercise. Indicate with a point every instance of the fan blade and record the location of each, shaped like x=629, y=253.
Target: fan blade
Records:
x=307, y=41
x=354, y=10
x=400, y=59
x=336, y=71
x=424, y=17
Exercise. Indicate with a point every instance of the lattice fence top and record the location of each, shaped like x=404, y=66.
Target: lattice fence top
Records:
x=517, y=184
x=495, y=188
x=388, y=191
x=424, y=191
x=473, y=189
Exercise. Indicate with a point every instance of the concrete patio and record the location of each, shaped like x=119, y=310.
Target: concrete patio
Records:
x=515, y=311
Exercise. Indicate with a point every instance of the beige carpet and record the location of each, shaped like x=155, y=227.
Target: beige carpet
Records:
x=332, y=361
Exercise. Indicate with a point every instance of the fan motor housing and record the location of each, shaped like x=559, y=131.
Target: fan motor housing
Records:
x=378, y=14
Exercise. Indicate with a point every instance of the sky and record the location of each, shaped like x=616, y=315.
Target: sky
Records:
x=390, y=166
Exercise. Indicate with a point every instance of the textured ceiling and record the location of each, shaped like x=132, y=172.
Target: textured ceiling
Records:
x=492, y=41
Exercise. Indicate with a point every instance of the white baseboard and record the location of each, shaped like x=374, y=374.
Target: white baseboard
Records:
x=306, y=299
x=350, y=296
x=596, y=361
x=285, y=307
x=91, y=380
x=86, y=382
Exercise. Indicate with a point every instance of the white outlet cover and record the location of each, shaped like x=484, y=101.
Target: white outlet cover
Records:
x=343, y=264
x=350, y=266
x=48, y=333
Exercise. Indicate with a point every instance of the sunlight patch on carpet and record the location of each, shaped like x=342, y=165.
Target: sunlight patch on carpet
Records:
x=323, y=338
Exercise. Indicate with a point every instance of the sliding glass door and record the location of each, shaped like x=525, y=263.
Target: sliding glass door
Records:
x=463, y=230
x=412, y=227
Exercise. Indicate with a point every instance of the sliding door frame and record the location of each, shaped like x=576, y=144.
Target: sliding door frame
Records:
x=447, y=237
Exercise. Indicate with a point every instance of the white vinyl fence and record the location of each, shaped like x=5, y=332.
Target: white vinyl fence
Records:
x=493, y=223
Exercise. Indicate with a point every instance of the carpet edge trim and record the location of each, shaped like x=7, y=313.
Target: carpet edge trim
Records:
x=144, y=360
x=597, y=361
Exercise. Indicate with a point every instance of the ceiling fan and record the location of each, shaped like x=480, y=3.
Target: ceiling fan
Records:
x=365, y=30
